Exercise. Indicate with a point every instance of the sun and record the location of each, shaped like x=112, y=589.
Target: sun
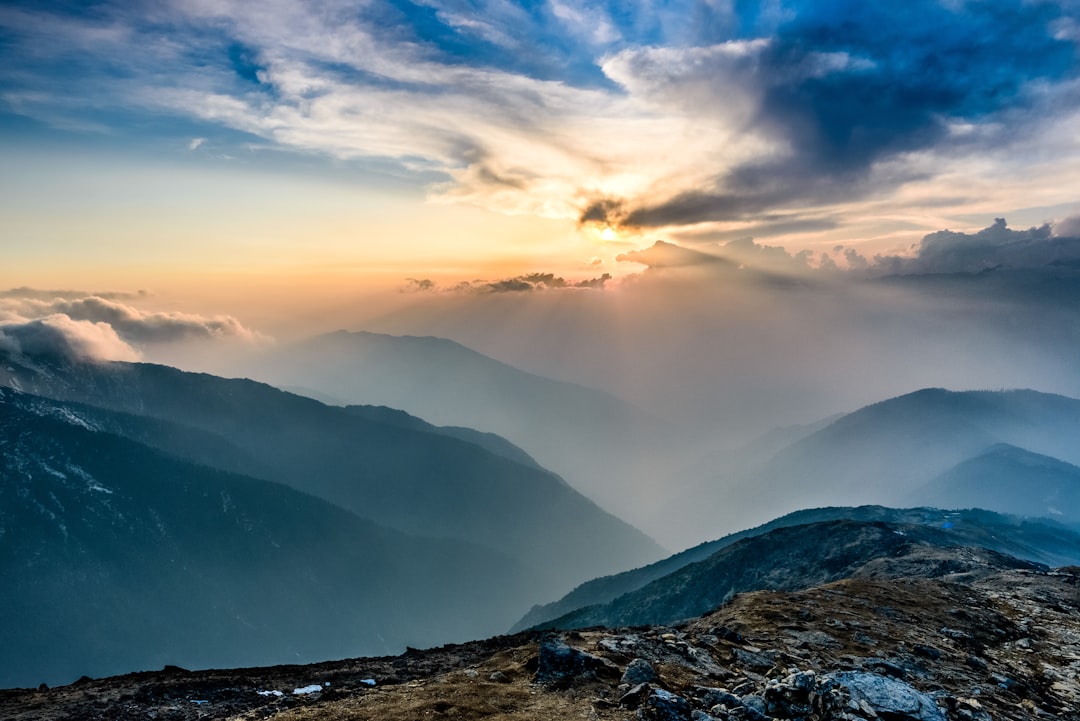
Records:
x=608, y=233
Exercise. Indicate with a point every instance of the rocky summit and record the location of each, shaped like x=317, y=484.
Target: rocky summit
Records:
x=1003, y=645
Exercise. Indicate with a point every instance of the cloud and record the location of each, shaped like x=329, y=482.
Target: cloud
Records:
x=140, y=326
x=1068, y=227
x=540, y=281
x=841, y=97
x=418, y=285
x=996, y=246
x=663, y=254
x=40, y=294
x=534, y=282
x=660, y=114
x=62, y=337
x=133, y=325
x=736, y=255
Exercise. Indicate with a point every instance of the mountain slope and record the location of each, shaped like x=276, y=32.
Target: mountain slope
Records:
x=788, y=559
x=1036, y=540
x=409, y=478
x=883, y=452
x=580, y=433
x=117, y=557
x=1010, y=479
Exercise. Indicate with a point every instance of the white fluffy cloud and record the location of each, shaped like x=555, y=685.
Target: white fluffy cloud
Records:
x=59, y=335
x=75, y=323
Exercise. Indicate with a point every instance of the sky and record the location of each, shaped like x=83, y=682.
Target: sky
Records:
x=702, y=205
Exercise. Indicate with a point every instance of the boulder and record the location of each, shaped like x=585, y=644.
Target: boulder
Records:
x=639, y=671
x=888, y=697
x=560, y=666
x=661, y=705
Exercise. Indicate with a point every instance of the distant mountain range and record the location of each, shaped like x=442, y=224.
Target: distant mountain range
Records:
x=464, y=518
x=780, y=561
x=578, y=432
x=917, y=449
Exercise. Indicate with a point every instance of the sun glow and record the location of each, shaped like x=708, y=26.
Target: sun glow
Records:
x=608, y=233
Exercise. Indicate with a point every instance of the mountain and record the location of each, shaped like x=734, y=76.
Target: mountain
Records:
x=881, y=454
x=1040, y=541
x=578, y=432
x=998, y=645
x=401, y=474
x=1009, y=479
x=118, y=557
x=794, y=558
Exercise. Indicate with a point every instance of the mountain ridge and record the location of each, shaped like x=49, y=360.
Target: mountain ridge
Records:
x=421, y=482
x=118, y=556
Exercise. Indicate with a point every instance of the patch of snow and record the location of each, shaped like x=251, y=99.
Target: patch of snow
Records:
x=91, y=482
x=67, y=415
x=275, y=692
x=52, y=471
x=366, y=681
x=314, y=688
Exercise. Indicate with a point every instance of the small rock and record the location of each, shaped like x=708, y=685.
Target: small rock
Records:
x=925, y=651
x=756, y=705
x=499, y=677
x=727, y=634
x=634, y=697
x=749, y=659
x=886, y=667
x=639, y=671
x=710, y=697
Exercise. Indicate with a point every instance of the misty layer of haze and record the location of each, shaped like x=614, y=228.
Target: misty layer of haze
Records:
x=644, y=391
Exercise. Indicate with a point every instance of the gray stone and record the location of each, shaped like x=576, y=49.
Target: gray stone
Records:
x=887, y=696
x=639, y=671
x=749, y=659
x=634, y=696
x=661, y=705
x=561, y=666
x=756, y=704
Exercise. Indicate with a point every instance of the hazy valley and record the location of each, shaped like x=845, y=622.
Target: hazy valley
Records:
x=162, y=518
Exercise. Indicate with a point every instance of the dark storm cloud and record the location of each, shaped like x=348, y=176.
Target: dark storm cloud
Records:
x=845, y=86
